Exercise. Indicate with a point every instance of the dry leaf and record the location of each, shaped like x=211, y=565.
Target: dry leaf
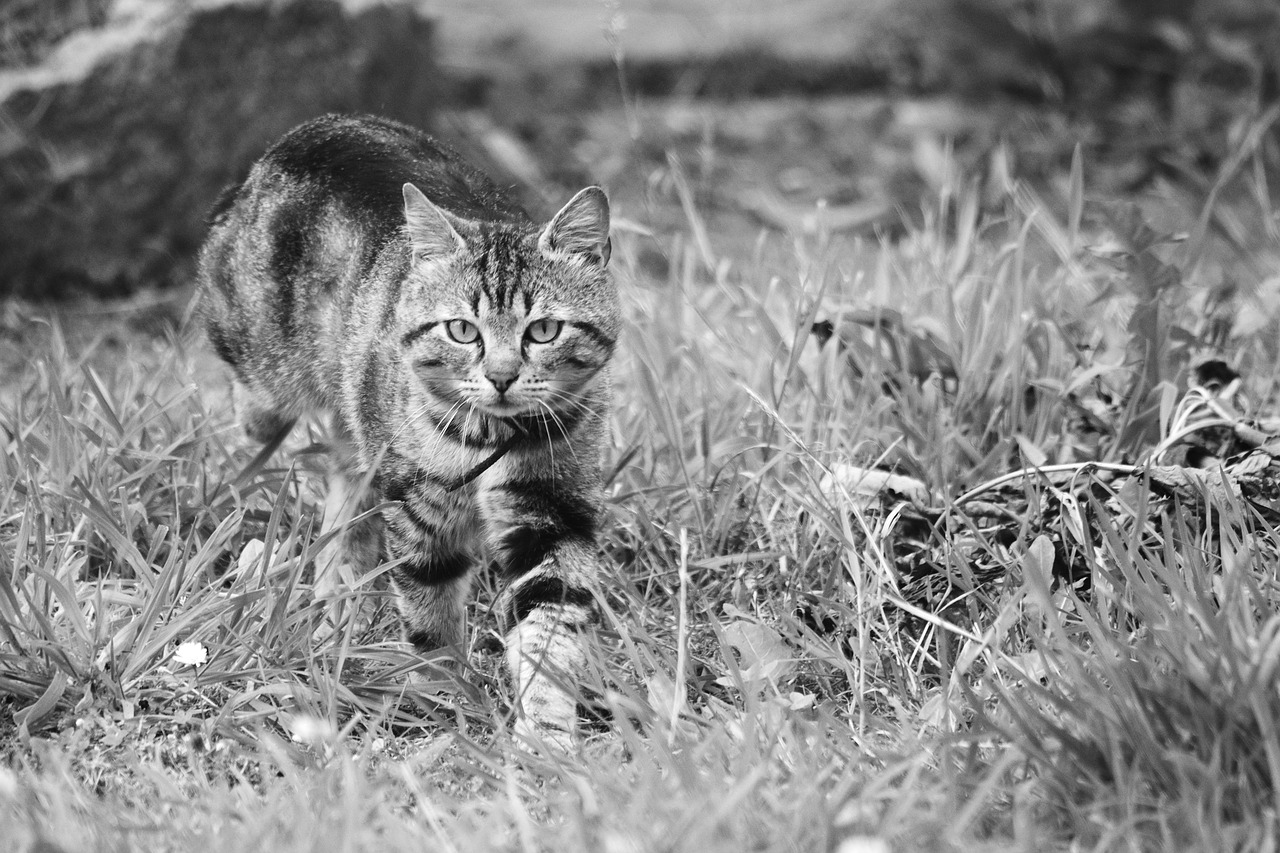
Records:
x=763, y=656
x=866, y=486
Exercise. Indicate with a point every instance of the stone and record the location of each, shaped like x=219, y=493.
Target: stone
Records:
x=113, y=148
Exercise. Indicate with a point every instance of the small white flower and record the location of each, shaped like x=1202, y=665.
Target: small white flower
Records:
x=191, y=653
x=305, y=728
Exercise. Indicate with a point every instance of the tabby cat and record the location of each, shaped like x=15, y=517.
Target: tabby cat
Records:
x=364, y=270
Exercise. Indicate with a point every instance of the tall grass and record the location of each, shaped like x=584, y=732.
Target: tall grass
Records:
x=770, y=672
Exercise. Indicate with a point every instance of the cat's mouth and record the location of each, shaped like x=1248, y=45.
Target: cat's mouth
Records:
x=505, y=407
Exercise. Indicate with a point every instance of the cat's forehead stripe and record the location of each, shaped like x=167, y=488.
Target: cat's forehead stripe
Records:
x=501, y=266
x=517, y=266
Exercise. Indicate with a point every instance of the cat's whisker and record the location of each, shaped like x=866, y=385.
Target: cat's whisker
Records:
x=408, y=419
x=551, y=445
x=572, y=400
x=453, y=412
x=563, y=431
x=472, y=414
x=563, y=394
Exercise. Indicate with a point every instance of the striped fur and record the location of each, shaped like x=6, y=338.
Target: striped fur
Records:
x=346, y=276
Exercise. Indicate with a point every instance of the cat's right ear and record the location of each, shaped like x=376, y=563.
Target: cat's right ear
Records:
x=581, y=227
x=431, y=237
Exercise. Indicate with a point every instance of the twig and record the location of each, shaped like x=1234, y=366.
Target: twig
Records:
x=1041, y=470
x=682, y=637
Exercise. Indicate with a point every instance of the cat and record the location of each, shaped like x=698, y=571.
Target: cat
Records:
x=366, y=271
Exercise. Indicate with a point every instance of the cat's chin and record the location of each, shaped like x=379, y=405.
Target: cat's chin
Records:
x=497, y=409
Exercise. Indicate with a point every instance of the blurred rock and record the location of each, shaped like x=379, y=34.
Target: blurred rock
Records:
x=30, y=28
x=113, y=148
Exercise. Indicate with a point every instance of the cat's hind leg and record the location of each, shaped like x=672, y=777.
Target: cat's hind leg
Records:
x=354, y=542
x=353, y=536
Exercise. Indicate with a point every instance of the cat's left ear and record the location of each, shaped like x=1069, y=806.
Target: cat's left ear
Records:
x=581, y=227
x=430, y=233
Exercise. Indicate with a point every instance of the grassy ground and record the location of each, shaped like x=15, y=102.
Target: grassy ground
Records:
x=787, y=663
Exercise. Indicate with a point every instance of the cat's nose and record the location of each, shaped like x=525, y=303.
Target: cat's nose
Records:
x=501, y=380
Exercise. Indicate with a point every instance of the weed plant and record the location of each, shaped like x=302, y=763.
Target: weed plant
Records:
x=765, y=676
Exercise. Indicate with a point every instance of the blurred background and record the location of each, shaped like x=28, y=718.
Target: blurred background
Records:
x=120, y=120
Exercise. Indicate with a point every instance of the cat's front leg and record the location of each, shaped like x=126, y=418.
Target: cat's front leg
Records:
x=542, y=534
x=546, y=614
x=432, y=577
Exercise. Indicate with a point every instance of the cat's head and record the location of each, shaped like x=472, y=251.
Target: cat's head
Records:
x=500, y=318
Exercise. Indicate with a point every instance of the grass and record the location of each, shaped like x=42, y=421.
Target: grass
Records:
x=788, y=664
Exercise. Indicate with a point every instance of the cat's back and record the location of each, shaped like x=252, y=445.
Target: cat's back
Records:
x=361, y=162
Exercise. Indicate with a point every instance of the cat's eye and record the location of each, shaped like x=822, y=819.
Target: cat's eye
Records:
x=462, y=331
x=544, y=331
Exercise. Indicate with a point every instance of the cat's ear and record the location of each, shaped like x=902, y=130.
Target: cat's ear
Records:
x=430, y=233
x=581, y=227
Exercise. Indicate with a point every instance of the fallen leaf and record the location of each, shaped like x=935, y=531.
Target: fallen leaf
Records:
x=250, y=555
x=800, y=701
x=763, y=656
x=866, y=486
